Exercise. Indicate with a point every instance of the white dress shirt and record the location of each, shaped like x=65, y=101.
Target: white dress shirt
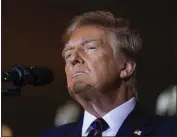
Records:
x=114, y=118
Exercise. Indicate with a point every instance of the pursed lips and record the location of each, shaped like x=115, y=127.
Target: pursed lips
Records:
x=78, y=72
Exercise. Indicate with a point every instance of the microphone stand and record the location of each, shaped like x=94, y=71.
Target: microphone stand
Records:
x=21, y=75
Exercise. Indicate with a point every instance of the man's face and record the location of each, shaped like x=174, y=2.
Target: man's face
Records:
x=90, y=62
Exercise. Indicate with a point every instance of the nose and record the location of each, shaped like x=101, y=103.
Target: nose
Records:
x=76, y=59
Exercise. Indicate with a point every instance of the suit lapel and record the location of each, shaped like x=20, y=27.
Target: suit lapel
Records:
x=77, y=130
x=136, y=124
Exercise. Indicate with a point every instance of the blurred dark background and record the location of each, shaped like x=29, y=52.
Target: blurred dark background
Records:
x=31, y=31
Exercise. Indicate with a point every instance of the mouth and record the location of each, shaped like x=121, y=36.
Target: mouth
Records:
x=78, y=73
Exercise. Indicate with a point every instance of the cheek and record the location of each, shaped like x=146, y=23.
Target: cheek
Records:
x=67, y=73
x=93, y=61
x=98, y=66
x=104, y=66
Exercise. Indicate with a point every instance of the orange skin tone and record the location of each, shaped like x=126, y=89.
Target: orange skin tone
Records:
x=94, y=75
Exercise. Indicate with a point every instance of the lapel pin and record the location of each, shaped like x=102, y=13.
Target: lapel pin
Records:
x=137, y=132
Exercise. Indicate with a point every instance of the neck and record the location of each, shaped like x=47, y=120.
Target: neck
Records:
x=107, y=101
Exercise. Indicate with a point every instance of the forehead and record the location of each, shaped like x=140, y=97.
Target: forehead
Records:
x=86, y=33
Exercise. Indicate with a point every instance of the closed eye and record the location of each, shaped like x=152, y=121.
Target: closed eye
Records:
x=68, y=55
x=91, y=48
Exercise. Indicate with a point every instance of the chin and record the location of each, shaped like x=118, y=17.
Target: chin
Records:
x=80, y=88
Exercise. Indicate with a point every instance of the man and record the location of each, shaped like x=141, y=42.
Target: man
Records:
x=100, y=54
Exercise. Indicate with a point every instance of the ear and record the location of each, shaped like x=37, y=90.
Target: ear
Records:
x=128, y=69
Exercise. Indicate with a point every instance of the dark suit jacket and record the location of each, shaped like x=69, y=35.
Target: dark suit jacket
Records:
x=137, y=120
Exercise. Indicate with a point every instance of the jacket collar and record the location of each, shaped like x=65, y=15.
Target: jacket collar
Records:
x=137, y=123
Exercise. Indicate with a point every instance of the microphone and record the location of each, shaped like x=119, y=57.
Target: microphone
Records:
x=22, y=75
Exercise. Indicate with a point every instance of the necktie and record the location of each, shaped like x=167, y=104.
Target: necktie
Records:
x=98, y=126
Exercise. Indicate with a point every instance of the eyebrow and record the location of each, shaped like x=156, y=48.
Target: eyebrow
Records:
x=82, y=42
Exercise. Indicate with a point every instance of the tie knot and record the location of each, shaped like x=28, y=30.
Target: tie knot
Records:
x=100, y=124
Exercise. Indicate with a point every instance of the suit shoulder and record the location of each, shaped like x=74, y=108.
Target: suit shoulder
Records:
x=60, y=130
x=165, y=124
x=165, y=120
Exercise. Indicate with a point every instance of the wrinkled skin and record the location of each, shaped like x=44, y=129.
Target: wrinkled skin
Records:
x=92, y=70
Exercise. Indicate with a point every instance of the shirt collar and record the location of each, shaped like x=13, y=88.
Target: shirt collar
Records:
x=118, y=114
x=88, y=119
